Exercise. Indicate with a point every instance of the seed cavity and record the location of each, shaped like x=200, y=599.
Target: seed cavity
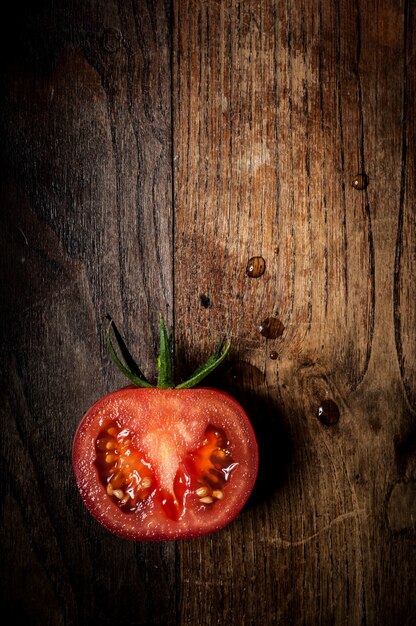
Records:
x=212, y=464
x=123, y=472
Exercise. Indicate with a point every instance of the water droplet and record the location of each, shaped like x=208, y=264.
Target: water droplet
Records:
x=205, y=301
x=273, y=355
x=271, y=328
x=255, y=267
x=111, y=40
x=328, y=412
x=360, y=182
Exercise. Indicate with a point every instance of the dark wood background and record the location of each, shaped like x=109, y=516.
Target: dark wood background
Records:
x=149, y=150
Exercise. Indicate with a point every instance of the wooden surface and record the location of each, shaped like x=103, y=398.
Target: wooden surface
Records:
x=149, y=151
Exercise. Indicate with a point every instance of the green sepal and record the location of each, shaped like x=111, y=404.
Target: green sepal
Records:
x=128, y=366
x=130, y=369
x=209, y=366
x=164, y=360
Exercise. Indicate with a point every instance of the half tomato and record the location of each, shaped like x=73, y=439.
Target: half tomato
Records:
x=162, y=463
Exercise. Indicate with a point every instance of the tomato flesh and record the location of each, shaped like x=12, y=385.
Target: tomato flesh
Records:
x=165, y=464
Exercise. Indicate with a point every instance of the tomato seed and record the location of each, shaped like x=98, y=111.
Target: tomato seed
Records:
x=110, y=458
x=207, y=500
x=118, y=493
x=220, y=457
x=109, y=489
x=146, y=482
x=218, y=494
x=202, y=491
x=112, y=431
x=110, y=445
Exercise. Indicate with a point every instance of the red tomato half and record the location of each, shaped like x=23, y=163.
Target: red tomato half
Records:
x=160, y=464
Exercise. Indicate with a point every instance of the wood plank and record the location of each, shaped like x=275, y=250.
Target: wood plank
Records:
x=278, y=107
x=86, y=231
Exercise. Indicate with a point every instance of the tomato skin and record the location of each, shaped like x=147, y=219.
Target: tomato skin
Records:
x=167, y=424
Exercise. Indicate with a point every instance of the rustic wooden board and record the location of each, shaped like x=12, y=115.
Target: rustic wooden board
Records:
x=278, y=107
x=87, y=231
x=150, y=150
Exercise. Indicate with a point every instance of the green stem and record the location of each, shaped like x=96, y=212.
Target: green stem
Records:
x=128, y=366
x=130, y=369
x=209, y=366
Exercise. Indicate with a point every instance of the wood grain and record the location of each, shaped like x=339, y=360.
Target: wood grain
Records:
x=150, y=149
x=278, y=107
x=87, y=231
